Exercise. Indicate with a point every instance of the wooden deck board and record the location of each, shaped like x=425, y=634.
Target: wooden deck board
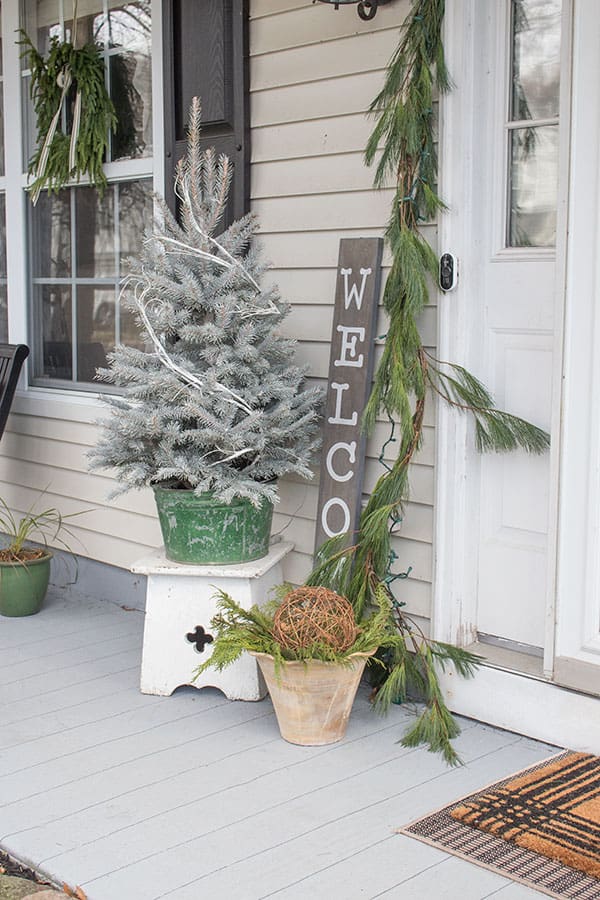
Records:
x=191, y=795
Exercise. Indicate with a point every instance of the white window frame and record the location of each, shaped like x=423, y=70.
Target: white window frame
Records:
x=54, y=402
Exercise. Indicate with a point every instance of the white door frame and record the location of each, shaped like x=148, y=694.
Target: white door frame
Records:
x=578, y=631
x=455, y=571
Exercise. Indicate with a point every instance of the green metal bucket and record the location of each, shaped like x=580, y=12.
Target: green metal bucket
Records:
x=201, y=530
x=23, y=586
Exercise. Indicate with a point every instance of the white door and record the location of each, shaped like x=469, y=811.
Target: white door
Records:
x=509, y=277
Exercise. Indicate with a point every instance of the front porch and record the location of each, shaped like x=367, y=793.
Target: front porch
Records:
x=141, y=797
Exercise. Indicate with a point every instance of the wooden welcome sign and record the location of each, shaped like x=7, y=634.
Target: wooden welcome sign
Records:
x=349, y=385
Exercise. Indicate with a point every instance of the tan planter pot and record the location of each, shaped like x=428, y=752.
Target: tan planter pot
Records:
x=312, y=700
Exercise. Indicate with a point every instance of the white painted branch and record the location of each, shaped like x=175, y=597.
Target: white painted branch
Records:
x=168, y=362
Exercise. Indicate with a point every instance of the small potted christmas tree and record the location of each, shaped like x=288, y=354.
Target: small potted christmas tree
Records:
x=213, y=410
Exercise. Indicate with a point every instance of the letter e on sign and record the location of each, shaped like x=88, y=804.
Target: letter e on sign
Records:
x=350, y=375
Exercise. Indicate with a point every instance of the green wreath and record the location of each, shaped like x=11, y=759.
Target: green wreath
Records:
x=74, y=77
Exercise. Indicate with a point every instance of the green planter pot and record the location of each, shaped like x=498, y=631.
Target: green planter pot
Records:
x=23, y=586
x=201, y=530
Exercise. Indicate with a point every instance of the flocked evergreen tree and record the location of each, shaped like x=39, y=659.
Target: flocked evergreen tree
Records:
x=214, y=401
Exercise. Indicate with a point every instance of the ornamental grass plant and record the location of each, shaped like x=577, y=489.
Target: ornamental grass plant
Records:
x=44, y=527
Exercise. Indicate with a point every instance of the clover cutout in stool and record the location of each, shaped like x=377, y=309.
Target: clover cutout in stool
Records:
x=200, y=638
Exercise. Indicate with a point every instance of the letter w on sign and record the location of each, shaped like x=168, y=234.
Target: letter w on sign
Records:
x=350, y=376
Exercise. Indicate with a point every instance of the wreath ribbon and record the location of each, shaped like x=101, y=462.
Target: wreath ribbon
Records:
x=64, y=81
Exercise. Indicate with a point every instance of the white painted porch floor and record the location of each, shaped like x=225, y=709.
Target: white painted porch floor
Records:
x=135, y=797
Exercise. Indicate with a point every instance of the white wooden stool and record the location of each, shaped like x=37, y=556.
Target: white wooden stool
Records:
x=180, y=603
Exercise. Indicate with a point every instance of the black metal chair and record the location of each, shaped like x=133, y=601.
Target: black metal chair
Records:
x=12, y=357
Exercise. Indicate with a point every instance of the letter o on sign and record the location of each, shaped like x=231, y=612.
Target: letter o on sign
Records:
x=335, y=501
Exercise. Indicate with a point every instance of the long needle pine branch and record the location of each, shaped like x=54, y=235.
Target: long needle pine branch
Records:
x=403, y=143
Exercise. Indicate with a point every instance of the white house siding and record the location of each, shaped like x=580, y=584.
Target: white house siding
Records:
x=314, y=72
x=43, y=452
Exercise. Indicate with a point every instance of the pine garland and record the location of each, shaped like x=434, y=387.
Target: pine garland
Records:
x=404, y=137
x=68, y=73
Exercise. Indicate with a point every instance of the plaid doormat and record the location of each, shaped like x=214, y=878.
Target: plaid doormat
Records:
x=553, y=806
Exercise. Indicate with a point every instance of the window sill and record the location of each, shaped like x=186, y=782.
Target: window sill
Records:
x=50, y=403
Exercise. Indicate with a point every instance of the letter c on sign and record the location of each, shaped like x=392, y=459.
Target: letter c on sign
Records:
x=351, y=451
x=335, y=501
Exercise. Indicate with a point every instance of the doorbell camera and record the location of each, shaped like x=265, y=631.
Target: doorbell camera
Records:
x=448, y=271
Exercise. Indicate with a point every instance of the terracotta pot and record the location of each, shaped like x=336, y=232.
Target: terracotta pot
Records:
x=312, y=699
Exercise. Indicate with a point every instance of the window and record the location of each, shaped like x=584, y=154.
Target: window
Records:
x=81, y=244
x=3, y=289
x=78, y=240
x=533, y=123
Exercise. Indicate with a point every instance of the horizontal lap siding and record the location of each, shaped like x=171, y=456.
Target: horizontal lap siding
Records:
x=48, y=455
x=314, y=72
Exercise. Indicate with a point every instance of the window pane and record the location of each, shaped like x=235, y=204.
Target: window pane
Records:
x=29, y=123
x=55, y=319
x=135, y=216
x=533, y=186
x=95, y=218
x=41, y=21
x=129, y=26
x=536, y=59
x=51, y=235
x=3, y=314
x=2, y=237
x=3, y=291
x=1, y=127
x=130, y=330
x=95, y=329
x=130, y=90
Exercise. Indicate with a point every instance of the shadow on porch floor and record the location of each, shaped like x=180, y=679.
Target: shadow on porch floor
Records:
x=136, y=797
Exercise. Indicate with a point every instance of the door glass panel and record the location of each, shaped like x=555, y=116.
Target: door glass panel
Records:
x=536, y=59
x=534, y=97
x=533, y=186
